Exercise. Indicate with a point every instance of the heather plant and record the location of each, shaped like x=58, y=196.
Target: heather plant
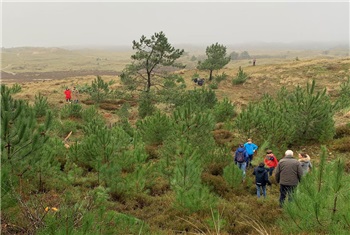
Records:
x=321, y=201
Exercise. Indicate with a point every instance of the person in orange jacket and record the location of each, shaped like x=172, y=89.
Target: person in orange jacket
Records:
x=270, y=161
x=68, y=94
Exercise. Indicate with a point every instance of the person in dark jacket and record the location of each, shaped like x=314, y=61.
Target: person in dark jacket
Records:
x=288, y=175
x=261, y=179
x=241, y=158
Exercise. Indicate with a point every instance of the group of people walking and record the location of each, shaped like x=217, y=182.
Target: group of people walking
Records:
x=288, y=171
x=69, y=93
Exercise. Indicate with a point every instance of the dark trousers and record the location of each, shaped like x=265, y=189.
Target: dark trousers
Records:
x=250, y=159
x=286, y=190
x=271, y=170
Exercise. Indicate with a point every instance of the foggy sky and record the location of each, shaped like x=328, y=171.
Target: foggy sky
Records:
x=47, y=24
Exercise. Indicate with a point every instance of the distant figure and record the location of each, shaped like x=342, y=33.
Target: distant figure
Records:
x=261, y=179
x=254, y=60
x=305, y=162
x=195, y=80
x=251, y=148
x=68, y=94
x=288, y=175
x=75, y=95
x=241, y=158
x=270, y=161
x=200, y=81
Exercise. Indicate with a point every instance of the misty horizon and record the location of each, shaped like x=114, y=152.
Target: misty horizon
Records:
x=117, y=24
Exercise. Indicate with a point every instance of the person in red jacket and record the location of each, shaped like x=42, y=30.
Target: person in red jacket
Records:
x=270, y=161
x=68, y=94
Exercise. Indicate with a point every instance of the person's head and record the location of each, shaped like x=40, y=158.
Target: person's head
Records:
x=249, y=140
x=269, y=151
x=261, y=164
x=302, y=155
x=289, y=153
x=241, y=145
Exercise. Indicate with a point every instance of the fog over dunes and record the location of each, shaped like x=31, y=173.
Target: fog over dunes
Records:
x=313, y=25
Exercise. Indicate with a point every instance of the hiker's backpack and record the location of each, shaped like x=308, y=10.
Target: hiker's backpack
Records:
x=240, y=156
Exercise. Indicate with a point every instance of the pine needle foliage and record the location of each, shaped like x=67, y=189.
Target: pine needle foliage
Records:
x=191, y=195
x=292, y=117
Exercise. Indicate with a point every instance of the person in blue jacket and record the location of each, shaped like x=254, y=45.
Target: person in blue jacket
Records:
x=250, y=148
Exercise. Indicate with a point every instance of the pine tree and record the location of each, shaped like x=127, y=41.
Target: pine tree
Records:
x=191, y=195
x=21, y=134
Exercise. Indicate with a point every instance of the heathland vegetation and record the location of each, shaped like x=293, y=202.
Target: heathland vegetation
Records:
x=145, y=150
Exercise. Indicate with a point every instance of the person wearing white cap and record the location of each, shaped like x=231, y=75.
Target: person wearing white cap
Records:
x=288, y=175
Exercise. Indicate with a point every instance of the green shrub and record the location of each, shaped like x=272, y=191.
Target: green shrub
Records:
x=99, y=89
x=214, y=85
x=233, y=175
x=146, y=106
x=73, y=110
x=16, y=88
x=200, y=99
x=293, y=117
x=240, y=78
x=67, y=126
x=221, y=77
x=155, y=129
x=40, y=105
x=224, y=111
